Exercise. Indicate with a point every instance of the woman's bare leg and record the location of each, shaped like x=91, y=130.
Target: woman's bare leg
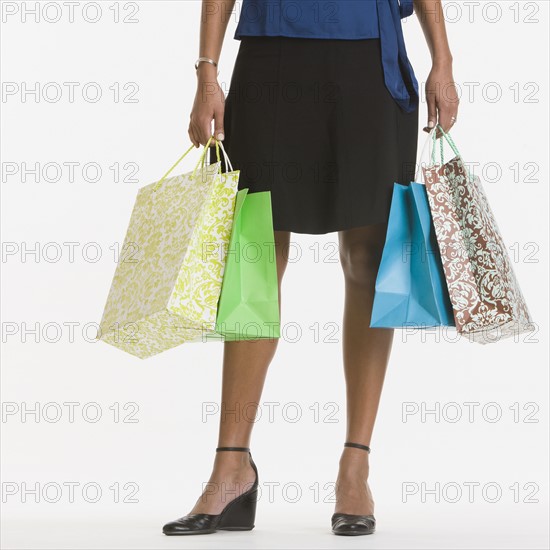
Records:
x=366, y=352
x=245, y=365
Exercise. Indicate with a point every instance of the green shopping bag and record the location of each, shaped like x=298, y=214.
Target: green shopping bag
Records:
x=248, y=308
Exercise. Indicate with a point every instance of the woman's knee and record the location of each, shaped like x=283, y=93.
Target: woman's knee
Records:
x=360, y=258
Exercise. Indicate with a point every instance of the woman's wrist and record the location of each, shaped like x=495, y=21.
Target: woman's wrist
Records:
x=206, y=71
x=442, y=61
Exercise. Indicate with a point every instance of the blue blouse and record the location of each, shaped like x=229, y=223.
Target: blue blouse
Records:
x=344, y=19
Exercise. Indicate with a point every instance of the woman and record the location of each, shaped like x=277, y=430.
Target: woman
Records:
x=322, y=111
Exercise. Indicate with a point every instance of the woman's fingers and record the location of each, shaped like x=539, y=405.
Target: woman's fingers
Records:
x=442, y=99
x=432, y=112
x=206, y=129
x=448, y=107
x=193, y=131
x=206, y=109
x=219, y=132
x=192, y=135
x=447, y=117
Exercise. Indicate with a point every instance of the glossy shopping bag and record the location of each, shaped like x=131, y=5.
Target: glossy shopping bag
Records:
x=410, y=284
x=168, y=280
x=248, y=308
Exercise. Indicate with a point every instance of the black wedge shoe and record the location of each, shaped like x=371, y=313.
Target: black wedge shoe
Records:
x=351, y=524
x=238, y=515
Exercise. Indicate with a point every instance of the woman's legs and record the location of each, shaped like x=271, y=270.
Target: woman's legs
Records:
x=245, y=365
x=366, y=353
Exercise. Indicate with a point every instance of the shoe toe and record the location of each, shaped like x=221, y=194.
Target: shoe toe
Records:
x=190, y=524
x=349, y=524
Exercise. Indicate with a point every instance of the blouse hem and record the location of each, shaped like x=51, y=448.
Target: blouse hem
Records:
x=302, y=35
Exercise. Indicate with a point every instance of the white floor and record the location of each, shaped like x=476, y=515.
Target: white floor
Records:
x=282, y=532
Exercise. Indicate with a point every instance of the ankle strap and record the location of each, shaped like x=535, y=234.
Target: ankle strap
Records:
x=232, y=449
x=357, y=445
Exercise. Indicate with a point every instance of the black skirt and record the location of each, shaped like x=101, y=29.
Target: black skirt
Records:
x=311, y=120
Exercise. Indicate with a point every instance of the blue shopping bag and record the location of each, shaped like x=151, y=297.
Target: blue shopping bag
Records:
x=410, y=286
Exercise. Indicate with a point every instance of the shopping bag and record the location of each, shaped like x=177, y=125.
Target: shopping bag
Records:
x=167, y=282
x=248, y=308
x=487, y=301
x=410, y=289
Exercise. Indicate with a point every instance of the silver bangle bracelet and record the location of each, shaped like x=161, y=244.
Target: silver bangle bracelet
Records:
x=206, y=60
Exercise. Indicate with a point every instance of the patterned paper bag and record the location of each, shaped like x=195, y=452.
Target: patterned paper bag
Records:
x=167, y=283
x=487, y=302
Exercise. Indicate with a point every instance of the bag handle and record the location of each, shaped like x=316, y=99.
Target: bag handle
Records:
x=201, y=161
x=430, y=143
x=449, y=140
x=219, y=145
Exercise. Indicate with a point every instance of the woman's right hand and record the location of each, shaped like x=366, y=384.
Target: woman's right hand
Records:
x=209, y=105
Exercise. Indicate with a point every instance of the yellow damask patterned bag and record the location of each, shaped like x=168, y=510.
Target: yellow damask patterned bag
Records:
x=168, y=280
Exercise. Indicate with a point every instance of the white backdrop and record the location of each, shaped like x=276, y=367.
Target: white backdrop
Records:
x=100, y=449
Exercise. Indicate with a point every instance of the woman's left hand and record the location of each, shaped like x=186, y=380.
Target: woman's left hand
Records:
x=442, y=98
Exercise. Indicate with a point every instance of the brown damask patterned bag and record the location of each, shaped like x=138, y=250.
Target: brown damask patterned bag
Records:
x=487, y=301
